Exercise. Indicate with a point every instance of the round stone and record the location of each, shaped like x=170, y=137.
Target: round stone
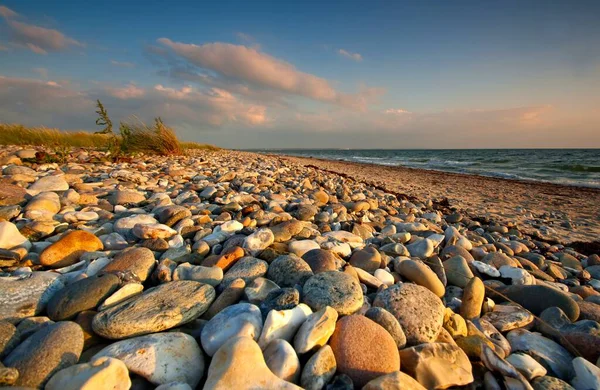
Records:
x=247, y=268
x=137, y=261
x=419, y=273
x=242, y=319
x=316, y=330
x=289, y=270
x=336, y=289
x=389, y=323
x=458, y=272
x=368, y=259
x=538, y=298
x=100, y=373
x=27, y=295
x=49, y=350
x=320, y=260
x=160, y=358
x=84, y=294
x=363, y=349
x=157, y=309
x=69, y=249
x=472, y=300
x=419, y=311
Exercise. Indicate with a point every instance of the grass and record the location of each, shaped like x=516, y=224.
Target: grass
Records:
x=135, y=138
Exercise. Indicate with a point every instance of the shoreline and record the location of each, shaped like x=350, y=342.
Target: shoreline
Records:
x=523, y=180
x=572, y=212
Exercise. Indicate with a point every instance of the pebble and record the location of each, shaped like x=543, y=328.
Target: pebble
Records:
x=258, y=241
x=137, y=261
x=319, y=369
x=388, y=322
x=10, y=237
x=282, y=360
x=419, y=273
x=288, y=271
x=303, y=249
x=316, y=330
x=198, y=273
x=47, y=351
x=84, y=294
x=103, y=372
x=157, y=309
x=555, y=358
x=123, y=294
x=395, y=380
x=320, y=260
x=458, y=271
x=283, y=324
x=363, y=349
x=437, y=365
x=159, y=358
x=239, y=364
x=48, y=184
x=69, y=249
x=27, y=295
x=239, y=320
x=368, y=259
x=333, y=288
x=472, y=299
x=419, y=311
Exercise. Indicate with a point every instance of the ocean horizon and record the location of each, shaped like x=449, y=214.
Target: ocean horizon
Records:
x=569, y=166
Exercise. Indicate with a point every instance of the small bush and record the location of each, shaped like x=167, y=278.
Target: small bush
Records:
x=136, y=136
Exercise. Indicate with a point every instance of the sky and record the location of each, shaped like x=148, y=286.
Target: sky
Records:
x=311, y=74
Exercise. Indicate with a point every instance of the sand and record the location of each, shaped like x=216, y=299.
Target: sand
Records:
x=570, y=213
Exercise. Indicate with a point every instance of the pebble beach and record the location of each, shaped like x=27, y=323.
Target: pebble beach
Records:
x=237, y=270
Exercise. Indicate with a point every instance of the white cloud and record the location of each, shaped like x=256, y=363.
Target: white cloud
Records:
x=42, y=72
x=353, y=56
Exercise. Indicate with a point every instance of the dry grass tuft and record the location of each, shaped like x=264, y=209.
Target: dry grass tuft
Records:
x=135, y=138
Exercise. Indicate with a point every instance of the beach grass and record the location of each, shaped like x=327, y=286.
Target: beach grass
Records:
x=137, y=138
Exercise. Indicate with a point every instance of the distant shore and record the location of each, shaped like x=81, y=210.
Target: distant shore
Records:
x=572, y=213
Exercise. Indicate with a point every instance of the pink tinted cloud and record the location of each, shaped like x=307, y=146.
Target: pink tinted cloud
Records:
x=39, y=40
x=7, y=13
x=129, y=91
x=248, y=64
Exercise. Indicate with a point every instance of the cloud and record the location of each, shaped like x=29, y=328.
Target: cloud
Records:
x=7, y=13
x=353, y=56
x=129, y=91
x=249, y=65
x=3, y=48
x=37, y=102
x=39, y=40
x=396, y=111
x=58, y=104
x=122, y=64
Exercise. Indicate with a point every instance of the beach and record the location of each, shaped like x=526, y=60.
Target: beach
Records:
x=564, y=213
x=228, y=269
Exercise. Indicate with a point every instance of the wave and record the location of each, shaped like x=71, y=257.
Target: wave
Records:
x=578, y=168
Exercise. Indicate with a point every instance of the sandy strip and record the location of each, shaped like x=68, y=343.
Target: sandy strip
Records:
x=569, y=213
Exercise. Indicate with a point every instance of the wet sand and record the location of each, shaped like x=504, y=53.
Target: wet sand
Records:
x=550, y=211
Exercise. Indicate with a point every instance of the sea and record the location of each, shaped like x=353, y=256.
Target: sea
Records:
x=576, y=167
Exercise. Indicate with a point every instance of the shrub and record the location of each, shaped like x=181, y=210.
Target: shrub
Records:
x=136, y=136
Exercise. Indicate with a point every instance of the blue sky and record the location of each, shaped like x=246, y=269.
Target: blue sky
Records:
x=311, y=74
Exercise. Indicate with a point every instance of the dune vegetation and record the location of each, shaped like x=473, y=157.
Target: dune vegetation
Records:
x=134, y=137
